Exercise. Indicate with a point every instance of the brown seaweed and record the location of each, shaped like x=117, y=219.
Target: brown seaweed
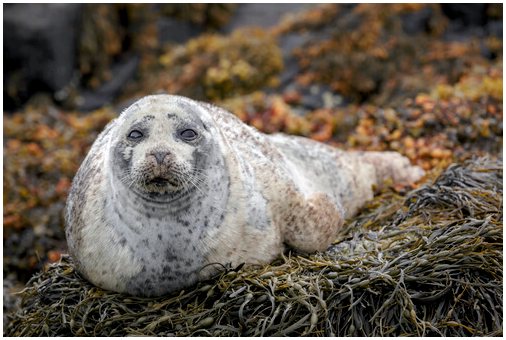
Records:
x=427, y=264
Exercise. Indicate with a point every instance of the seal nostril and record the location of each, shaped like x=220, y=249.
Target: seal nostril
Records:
x=159, y=156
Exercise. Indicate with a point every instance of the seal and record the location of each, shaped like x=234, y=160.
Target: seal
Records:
x=174, y=186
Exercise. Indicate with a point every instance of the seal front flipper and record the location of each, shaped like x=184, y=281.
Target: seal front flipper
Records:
x=310, y=224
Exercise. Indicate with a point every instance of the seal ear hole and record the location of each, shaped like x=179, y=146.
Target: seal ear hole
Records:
x=135, y=135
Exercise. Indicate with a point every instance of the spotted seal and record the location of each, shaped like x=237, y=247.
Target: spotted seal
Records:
x=173, y=186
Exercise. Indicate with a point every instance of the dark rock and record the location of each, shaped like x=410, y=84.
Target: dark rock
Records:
x=320, y=97
x=39, y=48
x=455, y=32
x=288, y=43
x=466, y=14
x=122, y=73
x=290, y=72
x=11, y=301
x=176, y=31
x=312, y=99
x=417, y=22
x=495, y=28
x=126, y=103
x=261, y=15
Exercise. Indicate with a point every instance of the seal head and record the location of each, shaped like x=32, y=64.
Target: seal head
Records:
x=152, y=187
x=161, y=153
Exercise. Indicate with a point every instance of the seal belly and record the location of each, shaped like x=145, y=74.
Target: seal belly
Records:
x=104, y=259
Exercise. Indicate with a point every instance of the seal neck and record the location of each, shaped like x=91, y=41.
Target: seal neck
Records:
x=125, y=198
x=204, y=203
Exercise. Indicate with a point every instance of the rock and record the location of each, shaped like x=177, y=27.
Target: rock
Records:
x=122, y=73
x=495, y=28
x=261, y=15
x=39, y=48
x=472, y=20
x=417, y=22
x=466, y=14
x=11, y=302
x=176, y=31
x=320, y=97
x=288, y=43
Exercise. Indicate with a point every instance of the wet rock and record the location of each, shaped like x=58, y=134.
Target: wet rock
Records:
x=466, y=14
x=39, y=48
x=417, y=22
x=122, y=73
x=11, y=302
x=261, y=15
x=320, y=97
x=288, y=43
x=176, y=31
x=495, y=28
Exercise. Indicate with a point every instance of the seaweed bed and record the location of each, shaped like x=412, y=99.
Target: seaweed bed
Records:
x=427, y=263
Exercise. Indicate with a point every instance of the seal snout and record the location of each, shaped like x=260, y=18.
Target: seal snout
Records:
x=161, y=170
x=159, y=156
x=159, y=162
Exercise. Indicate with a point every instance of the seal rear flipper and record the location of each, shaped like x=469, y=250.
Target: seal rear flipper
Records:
x=390, y=165
x=311, y=224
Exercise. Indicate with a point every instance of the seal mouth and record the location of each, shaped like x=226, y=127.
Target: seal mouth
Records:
x=158, y=181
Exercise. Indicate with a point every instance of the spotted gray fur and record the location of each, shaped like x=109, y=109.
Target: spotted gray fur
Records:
x=148, y=216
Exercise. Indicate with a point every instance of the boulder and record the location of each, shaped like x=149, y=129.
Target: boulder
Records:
x=39, y=48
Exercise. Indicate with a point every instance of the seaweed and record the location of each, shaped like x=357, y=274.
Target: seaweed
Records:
x=425, y=264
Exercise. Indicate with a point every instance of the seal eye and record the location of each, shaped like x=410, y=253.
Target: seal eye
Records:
x=135, y=134
x=188, y=134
